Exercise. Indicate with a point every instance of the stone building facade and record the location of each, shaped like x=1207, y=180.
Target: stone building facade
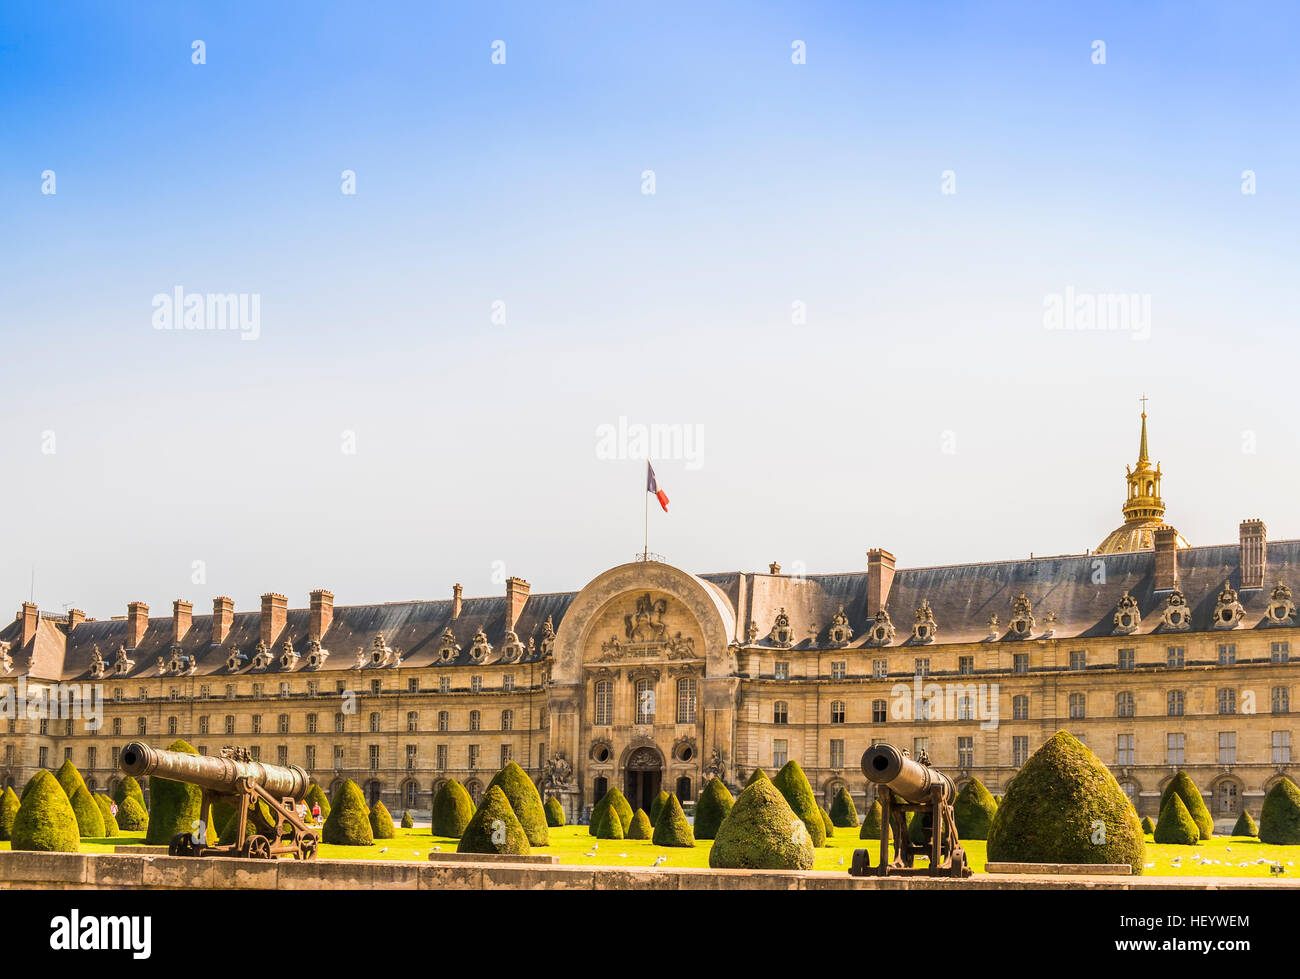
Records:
x=1158, y=655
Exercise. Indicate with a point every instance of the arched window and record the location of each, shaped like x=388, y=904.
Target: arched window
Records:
x=604, y=702
x=686, y=700
x=837, y=712
x=1125, y=704
x=1175, y=703
x=645, y=701
x=780, y=712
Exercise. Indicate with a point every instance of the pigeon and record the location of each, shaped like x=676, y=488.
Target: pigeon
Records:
x=1228, y=848
x=841, y=861
x=659, y=861
x=384, y=850
x=415, y=853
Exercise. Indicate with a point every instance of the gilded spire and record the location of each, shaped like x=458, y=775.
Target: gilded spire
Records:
x=1144, y=509
x=1143, y=458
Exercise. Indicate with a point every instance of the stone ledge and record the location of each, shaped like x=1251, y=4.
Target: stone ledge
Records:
x=493, y=858
x=1062, y=869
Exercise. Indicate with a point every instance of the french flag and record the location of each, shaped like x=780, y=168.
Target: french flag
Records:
x=652, y=486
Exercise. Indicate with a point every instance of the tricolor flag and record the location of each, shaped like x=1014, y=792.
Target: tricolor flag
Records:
x=652, y=486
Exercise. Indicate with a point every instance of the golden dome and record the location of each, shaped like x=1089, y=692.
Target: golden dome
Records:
x=1143, y=509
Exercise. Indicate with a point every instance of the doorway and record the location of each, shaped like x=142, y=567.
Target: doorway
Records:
x=644, y=774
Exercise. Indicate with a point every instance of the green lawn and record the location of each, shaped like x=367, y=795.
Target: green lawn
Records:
x=572, y=844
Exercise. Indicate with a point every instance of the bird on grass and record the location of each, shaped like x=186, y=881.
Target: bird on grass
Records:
x=384, y=850
x=659, y=861
x=437, y=849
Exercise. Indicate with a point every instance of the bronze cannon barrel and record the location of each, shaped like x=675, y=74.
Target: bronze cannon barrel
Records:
x=909, y=779
x=216, y=774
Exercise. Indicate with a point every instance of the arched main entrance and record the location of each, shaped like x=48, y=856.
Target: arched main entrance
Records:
x=644, y=772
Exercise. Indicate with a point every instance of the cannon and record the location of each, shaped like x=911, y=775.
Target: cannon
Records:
x=906, y=785
x=247, y=785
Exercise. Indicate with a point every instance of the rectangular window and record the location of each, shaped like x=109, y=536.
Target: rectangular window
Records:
x=1126, y=659
x=879, y=711
x=1124, y=749
x=90, y=757
x=376, y=687
x=780, y=753
x=921, y=667
x=311, y=723
x=203, y=724
x=837, y=753
x=256, y=752
x=257, y=723
x=1227, y=701
x=43, y=757
x=412, y=720
x=476, y=684
x=374, y=757
x=230, y=723
x=919, y=745
x=1020, y=662
x=880, y=668
x=410, y=757
x=508, y=682
x=413, y=685
x=338, y=756
x=782, y=671
x=965, y=664
x=1281, y=652
x=506, y=752
x=686, y=700
x=1176, y=656
x=965, y=752
x=444, y=684
x=204, y=691
x=340, y=723
x=645, y=701
x=442, y=757
x=1227, y=654
x=1019, y=749
x=1281, y=747
x=311, y=757
x=473, y=757
x=1281, y=700
x=1174, y=744
x=1078, y=659
x=1078, y=706
x=839, y=670
x=1020, y=707
x=1227, y=747
x=282, y=755
x=284, y=688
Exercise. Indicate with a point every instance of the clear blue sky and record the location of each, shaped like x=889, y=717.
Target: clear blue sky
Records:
x=922, y=406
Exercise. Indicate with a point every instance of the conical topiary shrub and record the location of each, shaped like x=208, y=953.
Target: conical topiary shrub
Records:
x=1245, y=826
x=1192, y=799
x=173, y=806
x=105, y=810
x=494, y=828
x=525, y=801
x=90, y=822
x=640, y=828
x=1064, y=806
x=843, y=812
x=974, y=810
x=349, y=822
x=381, y=822
x=129, y=787
x=45, y=820
x=611, y=827
x=827, y=825
x=871, y=823
x=616, y=799
x=8, y=810
x=712, y=808
x=131, y=817
x=554, y=812
x=407, y=821
x=762, y=832
x=1148, y=827
x=69, y=778
x=1176, y=825
x=672, y=828
x=1279, y=819
x=792, y=783
x=31, y=782
x=757, y=774
x=316, y=797
x=452, y=810
x=657, y=806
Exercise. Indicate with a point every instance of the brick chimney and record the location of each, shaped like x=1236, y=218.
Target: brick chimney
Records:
x=1254, y=553
x=516, y=596
x=1166, y=559
x=137, y=623
x=29, y=616
x=75, y=618
x=774, y=568
x=880, y=578
x=455, y=600
x=274, y=610
x=223, y=618
x=182, y=615
x=322, y=614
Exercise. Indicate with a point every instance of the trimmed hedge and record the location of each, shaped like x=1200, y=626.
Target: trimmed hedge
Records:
x=1279, y=819
x=758, y=773
x=1052, y=807
x=381, y=822
x=1193, y=800
x=316, y=797
x=173, y=806
x=843, y=812
x=792, y=783
x=640, y=828
x=1148, y=827
x=554, y=812
x=871, y=823
x=1245, y=826
x=762, y=832
x=712, y=808
x=407, y=821
x=452, y=810
x=9, y=804
x=22, y=796
x=524, y=799
x=611, y=826
x=69, y=778
x=827, y=825
x=1176, y=825
x=45, y=820
x=613, y=798
x=129, y=786
x=494, y=828
x=349, y=822
x=672, y=828
x=657, y=807
x=90, y=821
x=131, y=816
x=974, y=810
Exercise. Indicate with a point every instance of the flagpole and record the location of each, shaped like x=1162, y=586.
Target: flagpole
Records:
x=645, y=552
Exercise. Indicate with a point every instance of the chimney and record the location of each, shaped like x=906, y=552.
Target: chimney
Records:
x=774, y=568
x=274, y=610
x=322, y=614
x=880, y=578
x=516, y=597
x=75, y=618
x=1166, y=559
x=455, y=600
x=1254, y=553
x=137, y=623
x=182, y=614
x=223, y=617
x=29, y=616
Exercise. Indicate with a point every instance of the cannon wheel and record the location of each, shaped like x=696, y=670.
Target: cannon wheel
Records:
x=959, y=863
x=307, y=848
x=182, y=845
x=257, y=847
x=861, y=863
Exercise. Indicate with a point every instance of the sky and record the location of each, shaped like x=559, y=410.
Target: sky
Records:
x=840, y=256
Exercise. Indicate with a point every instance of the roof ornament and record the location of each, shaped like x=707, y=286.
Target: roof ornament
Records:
x=1022, y=617
x=263, y=657
x=1281, y=610
x=840, y=631
x=548, y=636
x=781, y=635
x=316, y=656
x=288, y=658
x=1177, y=617
x=97, y=666
x=924, y=628
x=1228, y=611
x=235, y=660
x=1127, y=616
x=881, y=632
x=482, y=649
x=447, y=646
